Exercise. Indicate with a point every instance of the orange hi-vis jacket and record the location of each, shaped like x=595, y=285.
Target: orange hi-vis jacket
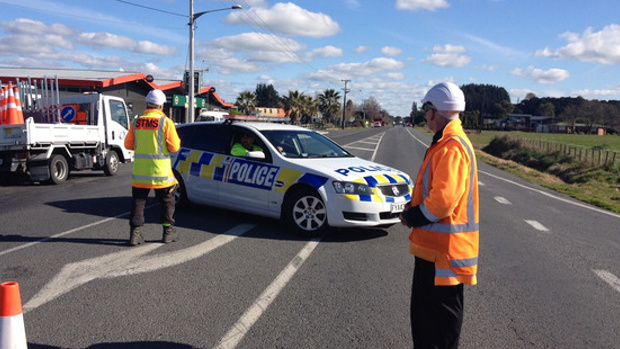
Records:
x=153, y=137
x=446, y=190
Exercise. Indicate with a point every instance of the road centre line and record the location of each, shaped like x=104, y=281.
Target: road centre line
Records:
x=609, y=278
x=537, y=225
x=596, y=209
x=238, y=331
x=502, y=200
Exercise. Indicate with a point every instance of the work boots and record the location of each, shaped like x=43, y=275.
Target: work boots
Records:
x=135, y=238
x=170, y=234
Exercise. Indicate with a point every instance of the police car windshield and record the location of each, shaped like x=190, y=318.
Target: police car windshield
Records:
x=304, y=144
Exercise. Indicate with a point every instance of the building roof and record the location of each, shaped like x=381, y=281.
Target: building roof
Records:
x=96, y=79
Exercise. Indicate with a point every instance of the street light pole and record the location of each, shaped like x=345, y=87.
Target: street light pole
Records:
x=192, y=18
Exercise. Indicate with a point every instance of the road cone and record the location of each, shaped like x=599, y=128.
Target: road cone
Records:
x=14, y=114
x=12, y=331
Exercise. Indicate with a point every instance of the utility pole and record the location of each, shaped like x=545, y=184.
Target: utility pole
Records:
x=344, y=104
x=192, y=19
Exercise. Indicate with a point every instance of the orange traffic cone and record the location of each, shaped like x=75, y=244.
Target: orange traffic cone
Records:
x=12, y=331
x=13, y=115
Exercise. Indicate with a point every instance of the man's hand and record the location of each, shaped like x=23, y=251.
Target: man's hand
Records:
x=402, y=219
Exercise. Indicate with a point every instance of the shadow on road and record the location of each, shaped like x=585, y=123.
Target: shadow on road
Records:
x=129, y=345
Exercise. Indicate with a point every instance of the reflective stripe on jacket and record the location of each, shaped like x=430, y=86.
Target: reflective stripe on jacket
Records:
x=153, y=137
x=446, y=190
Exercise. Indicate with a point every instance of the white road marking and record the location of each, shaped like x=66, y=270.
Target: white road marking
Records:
x=502, y=200
x=592, y=208
x=536, y=225
x=609, y=278
x=123, y=263
x=358, y=148
x=480, y=184
x=249, y=318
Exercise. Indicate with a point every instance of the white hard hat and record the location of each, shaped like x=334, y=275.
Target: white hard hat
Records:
x=156, y=97
x=446, y=96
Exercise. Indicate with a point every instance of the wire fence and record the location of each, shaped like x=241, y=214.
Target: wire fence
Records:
x=595, y=157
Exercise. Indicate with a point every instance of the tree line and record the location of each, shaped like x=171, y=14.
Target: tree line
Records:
x=493, y=102
x=303, y=109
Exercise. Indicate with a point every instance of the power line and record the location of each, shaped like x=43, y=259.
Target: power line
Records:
x=151, y=8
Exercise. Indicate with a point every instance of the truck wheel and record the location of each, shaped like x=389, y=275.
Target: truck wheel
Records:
x=304, y=213
x=112, y=164
x=59, y=169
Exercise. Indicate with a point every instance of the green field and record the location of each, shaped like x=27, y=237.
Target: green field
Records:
x=608, y=142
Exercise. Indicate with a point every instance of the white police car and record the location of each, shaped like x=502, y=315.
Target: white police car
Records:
x=300, y=177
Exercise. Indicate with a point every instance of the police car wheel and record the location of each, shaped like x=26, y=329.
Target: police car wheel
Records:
x=305, y=213
x=180, y=193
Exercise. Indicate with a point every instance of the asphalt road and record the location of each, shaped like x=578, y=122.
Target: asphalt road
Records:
x=549, y=269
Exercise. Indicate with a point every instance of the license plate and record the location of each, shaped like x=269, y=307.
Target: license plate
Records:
x=397, y=208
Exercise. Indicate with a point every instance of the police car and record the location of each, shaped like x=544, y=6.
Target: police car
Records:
x=300, y=177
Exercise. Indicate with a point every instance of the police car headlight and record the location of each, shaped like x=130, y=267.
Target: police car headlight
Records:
x=352, y=188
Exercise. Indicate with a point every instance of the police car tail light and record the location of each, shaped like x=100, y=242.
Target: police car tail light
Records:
x=352, y=188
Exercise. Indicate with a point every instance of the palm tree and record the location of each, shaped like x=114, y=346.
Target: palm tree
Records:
x=309, y=108
x=246, y=102
x=329, y=104
x=293, y=104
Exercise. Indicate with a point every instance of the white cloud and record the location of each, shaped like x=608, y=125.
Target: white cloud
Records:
x=391, y=51
x=326, y=52
x=448, y=56
x=253, y=42
x=107, y=40
x=415, y=5
x=28, y=26
x=361, y=49
x=596, y=94
x=340, y=71
x=288, y=19
x=600, y=47
x=550, y=76
x=153, y=48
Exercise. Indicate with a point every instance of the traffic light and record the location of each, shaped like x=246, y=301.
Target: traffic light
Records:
x=197, y=80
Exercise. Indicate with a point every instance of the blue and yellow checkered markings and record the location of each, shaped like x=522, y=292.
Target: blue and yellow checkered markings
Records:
x=374, y=181
x=315, y=181
x=286, y=178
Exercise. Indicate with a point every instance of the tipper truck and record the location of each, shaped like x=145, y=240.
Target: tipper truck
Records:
x=78, y=132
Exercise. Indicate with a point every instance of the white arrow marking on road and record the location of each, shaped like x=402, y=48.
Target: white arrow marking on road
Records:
x=126, y=262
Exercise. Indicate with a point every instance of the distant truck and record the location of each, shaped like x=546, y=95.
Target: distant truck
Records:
x=87, y=133
x=211, y=115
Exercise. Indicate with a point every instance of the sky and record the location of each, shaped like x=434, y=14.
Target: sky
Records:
x=391, y=50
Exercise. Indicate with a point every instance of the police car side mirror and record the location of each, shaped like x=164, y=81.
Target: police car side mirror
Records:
x=258, y=155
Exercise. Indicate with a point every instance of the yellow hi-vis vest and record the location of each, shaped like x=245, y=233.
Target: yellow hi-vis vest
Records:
x=151, y=167
x=446, y=190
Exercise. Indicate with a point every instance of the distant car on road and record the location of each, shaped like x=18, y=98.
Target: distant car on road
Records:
x=301, y=177
x=377, y=124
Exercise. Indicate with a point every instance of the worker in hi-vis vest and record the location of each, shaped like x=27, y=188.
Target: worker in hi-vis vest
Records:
x=443, y=213
x=153, y=137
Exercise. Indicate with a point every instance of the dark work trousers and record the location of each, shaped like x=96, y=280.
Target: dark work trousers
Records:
x=436, y=311
x=165, y=196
